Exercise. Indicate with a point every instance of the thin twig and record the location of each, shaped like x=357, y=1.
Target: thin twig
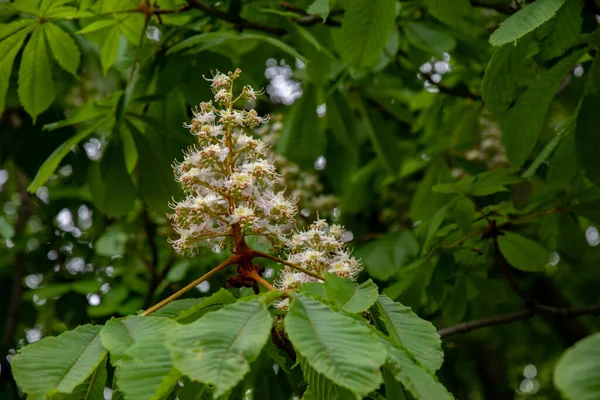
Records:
x=230, y=261
x=256, y=253
x=517, y=316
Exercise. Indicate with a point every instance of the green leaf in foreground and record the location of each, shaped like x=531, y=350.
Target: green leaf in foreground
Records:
x=418, y=336
x=320, y=387
x=414, y=378
x=577, y=373
x=58, y=364
x=329, y=340
x=523, y=253
x=524, y=21
x=218, y=348
x=351, y=297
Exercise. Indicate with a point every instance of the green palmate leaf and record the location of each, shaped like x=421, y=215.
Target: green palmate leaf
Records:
x=9, y=29
x=429, y=39
x=524, y=21
x=587, y=138
x=500, y=79
x=414, y=378
x=328, y=341
x=418, y=336
x=482, y=184
x=320, y=387
x=523, y=253
x=218, y=348
x=110, y=48
x=8, y=51
x=63, y=48
x=561, y=32
x=366, y=28
x=58, y=364
x=91, y=389
x=348, y=295
x=112, y=189
x=68, y=12
x=212, y=303
x=97, y=25
x=525, y=120
x=26, y=7
x=36, y=86
x=451, y=13
x=320, y=8
x=50, y=165
x=577, y=373
x=49, y=5
x=143, y=364
x=386, y=256
x=118, y=335
x=156, y=176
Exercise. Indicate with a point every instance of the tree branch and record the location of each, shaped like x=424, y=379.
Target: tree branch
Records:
x=239, y=22
x=517, y=316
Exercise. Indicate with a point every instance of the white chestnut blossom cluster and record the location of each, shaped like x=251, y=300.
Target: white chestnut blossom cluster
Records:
x=320, y=248
x=302, y=185
x=228, y=177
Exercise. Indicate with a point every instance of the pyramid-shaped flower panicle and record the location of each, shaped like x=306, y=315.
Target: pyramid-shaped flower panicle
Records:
x=228, y=178
x=320, y=248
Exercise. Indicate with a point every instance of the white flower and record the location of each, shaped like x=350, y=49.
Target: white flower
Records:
x=318, y=249
x=206, y=118
x=228, y=178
